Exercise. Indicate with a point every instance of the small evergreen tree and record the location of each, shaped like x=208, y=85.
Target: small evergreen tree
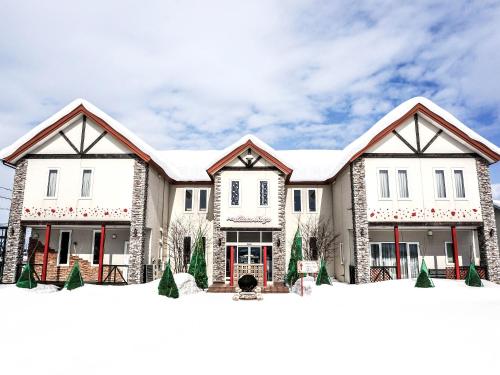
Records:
x=167, y=286
x=323, y=277
x=74, y=279
x=26, y=280
x=473, y=278
x=424, y=280
x=198, y=266
x=295, y=255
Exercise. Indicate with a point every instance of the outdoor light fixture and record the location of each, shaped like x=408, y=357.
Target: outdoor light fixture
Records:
x=492, y=232
x=35, y=235
x=135, y=232
x=113, y=236
x=362, y=231
x=12, y=231
x=278, y=243
x=220, y=242
x=429, y=232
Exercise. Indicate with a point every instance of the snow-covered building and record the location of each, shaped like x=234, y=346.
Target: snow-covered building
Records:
x=415, y=186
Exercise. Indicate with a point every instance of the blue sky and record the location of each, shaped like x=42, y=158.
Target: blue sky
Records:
x=200, y=74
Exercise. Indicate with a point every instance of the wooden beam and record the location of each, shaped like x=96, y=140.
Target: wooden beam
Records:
x=231, y=267
x=95, y=141
x=421, y=155
x=256, y=160
x=81, y=156
x=432, y=139
x=82, y=139
x=69, y=142
x=417, y=131
x=455, y=251
x=404, y=141
x=264, y=250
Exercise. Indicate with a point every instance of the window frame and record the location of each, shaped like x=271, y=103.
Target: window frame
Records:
x=293, y=200
x=436, y=196
x=258, y=193
x=199, y=200
x=185, y=200
x=56, y=193
x=315, y=200
x=61, y=231
x=93, y=247
x=231, y=193
x=398, y=188
x=91, y=189
x=379, y=187
x=448, y=263
x=453, y=183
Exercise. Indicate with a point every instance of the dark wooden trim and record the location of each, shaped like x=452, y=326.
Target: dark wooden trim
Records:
x=425, y=223
x=395, y=155
x=246, y=168
x=255, y=161
x=242, y=161
x=190, y=183
x=432, y=139
x=306, y=183
x=417, y=131
x=405, y=141
x=82, y=140
x=95, y=141
x=81, y=156
x=253, y=229
x=69, y=142
x=75, y=222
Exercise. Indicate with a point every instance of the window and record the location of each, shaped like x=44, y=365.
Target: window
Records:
x=311, y=198
x=313, y=248
x=341, y=252
x=263, y=193
x=86, y=183
x=126, y=246
x=52, y=183
x=383, y=177
x=203, y=199
x=64, y=247
x=403, y=184
x=450, y=257
x=235, y=193
x=186, y=251
x=188, y=200
x=440, y=184
x=96, y=247
x=297, y=200
x=458, y=176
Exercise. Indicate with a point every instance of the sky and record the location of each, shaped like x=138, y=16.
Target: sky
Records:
x=200, y=74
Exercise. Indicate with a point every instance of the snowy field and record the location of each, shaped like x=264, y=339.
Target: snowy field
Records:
x=382, y=328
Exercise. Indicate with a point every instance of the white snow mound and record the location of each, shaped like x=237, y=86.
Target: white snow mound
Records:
x=309, y=284
x=186, y=284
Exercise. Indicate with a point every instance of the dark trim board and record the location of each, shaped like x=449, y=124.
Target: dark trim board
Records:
x=413, y=155
x=81, y=156
x=425, y=224
x=250, y=168
x=75, y=222
x=233, y=229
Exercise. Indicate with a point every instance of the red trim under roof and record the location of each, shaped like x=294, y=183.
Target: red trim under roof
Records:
x=238, y=150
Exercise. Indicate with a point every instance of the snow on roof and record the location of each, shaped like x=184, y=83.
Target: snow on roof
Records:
x=496, y=204
x=307, y=165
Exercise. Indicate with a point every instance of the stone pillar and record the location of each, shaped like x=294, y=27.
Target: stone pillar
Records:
x=279, y=252
x=487, y=235
x=219, y=252
x=15, y=231
x=360, y=221
x=137, y=241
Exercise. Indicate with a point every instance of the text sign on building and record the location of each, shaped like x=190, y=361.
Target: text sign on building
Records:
x=246, y=219
x=307, y=266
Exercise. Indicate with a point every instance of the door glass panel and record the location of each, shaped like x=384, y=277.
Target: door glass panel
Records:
x=255, y=257
x=242, y=255
x=413, y=260
x=389, y=257
x=269, y=265
x=404, y=260
x=64, y=249
x=228, y=261
x=97, y=244
x=375, y=251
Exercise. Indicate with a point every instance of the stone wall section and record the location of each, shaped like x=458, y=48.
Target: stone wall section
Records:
x=360, y=222
x=137, y=241
x=279, y=252
x=219, y=251
x=15, y=231
x=487, y=234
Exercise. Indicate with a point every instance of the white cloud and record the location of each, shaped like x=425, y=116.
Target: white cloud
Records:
x=495, y=189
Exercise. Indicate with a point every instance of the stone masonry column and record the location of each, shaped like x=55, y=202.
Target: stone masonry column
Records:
x=279, y=252
x=137, y=241
x=15, y=232
x=360, y=222
x=487, y=235
x=219, y=252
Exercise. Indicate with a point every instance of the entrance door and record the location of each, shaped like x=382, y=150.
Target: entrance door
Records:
x=249, y=255
x=409, y=260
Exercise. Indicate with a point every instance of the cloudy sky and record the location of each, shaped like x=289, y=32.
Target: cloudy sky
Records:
x=200, y=74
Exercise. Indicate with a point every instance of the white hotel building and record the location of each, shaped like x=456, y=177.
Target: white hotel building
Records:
x=86, y=188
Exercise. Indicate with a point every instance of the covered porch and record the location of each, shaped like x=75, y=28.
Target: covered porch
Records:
x=102, y=251
x=396, y=252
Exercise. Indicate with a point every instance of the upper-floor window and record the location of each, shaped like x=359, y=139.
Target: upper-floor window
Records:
x=313, y=248
x=440, y=183
x=52, y=183
x=86, y=183
x=263, y=193
x=458, y=176
x=311, y=199
x=297, y=200
x=383, y=180
x=403, y=190
x=203, y=199
x=188, y=200
x=235, y=193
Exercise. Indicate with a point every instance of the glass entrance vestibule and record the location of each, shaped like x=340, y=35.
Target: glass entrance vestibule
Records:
x=245, y=247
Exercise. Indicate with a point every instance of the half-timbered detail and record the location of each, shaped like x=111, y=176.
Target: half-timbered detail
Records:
x=415, y=186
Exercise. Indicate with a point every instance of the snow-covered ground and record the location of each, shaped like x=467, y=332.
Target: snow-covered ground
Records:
x=382, y=328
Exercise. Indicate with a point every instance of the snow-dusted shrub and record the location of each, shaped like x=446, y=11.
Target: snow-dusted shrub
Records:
x=186, y=284
x=309, y=284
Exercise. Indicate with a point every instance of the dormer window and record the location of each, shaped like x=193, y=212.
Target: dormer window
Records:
x=235, y=193
x=188, y=200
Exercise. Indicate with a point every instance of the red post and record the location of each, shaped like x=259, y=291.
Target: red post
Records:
x=264, y=250
x=46, y=252
x=101, y=253
x=455, y=251
x=398, y=252
x=231, y=267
